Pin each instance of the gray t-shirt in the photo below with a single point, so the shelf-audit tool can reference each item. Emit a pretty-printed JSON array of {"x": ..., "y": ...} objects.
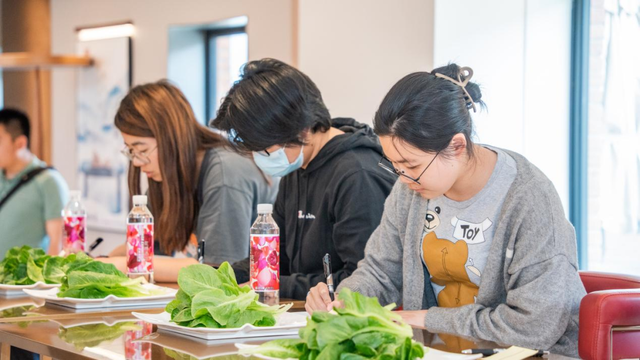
[
  {"x": 457, "y": 236},
  {"x": 230, "y": 188}
]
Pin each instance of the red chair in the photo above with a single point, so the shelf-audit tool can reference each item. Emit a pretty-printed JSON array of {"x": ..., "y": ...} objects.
[{"x": 609, "y": 316}]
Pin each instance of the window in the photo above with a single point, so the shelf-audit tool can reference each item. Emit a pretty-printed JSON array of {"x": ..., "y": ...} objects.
[
  {"x": 204, "y": 60},
  {"x": 613, "y": 137},
  {"x": 226, "y": 51}
]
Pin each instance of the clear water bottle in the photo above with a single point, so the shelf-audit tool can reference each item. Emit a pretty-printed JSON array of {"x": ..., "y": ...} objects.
[
  {"x": 75, "y": 224},
  {"x": 140, "y": 240},
  {"x": 265, "y": 256}
]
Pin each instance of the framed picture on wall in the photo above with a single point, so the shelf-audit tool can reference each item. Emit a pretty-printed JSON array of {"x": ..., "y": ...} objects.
[{"x": 102, "y": 169}]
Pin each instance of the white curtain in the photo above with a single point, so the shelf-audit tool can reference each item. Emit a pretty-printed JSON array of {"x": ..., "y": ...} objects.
[{"x": 619, "y": 177}]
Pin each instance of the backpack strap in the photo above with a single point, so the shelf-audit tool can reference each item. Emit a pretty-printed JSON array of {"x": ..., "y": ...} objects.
[{"x": 25, "y": 179}]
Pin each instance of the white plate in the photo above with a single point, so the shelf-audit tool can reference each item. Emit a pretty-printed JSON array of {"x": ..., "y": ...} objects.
[
  {"x": 16, "y": 290},
  {"x": 429, "y": 354},
  {"x": 110, "y": 301},
  {"x": 286, "y": 324}
]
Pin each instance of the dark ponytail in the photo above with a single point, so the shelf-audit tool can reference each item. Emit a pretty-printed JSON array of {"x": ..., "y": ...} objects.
[{"x": 426, "y": 111}]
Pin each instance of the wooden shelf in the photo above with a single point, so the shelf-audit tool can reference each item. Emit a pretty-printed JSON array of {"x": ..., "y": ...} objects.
[{"x": 28, "y": 61}]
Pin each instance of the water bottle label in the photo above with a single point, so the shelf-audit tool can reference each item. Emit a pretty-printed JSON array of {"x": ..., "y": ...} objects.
[
  {"x": 265, "y": 262},
  {"x": 74, "y": 230},
  {"x": 138, "y": 350},
  {"x": 140, "y": 248}
]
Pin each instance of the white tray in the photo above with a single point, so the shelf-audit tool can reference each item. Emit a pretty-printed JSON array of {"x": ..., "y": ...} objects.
[
  {"x": 17, "y": 290},
  {"x": 111, "y": 301},
  {"x": 286, "y": 324},
  {"x": 429, "y": 354}
]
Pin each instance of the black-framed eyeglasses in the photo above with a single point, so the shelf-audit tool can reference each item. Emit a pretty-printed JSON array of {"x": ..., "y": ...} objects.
[{"x": 386, "y": 164}]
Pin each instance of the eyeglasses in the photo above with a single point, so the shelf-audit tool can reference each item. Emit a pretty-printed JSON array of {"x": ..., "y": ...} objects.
[
  {"x": 142, "y": 156},
  {"x": 233, "y": 137},
  {"x": 237, "y": 141},
  {"x": 264, "y": 153},
  {"x": 386, "y": 164}
]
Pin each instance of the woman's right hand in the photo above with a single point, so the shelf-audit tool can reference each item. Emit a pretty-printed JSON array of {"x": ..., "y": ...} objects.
[{"x": 318, "y": 299}]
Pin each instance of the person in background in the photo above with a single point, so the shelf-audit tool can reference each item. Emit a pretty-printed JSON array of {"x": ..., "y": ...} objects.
[
  {"x": 332, "y": 192},
  {"x": 474, "y": 240},
  {"x": 198, "y": 190},
  {"x": 32, "y": 195}
]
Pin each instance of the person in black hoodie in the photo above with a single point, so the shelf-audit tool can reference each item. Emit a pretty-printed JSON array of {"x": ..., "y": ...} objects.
[{"x": 332, "y": 192}]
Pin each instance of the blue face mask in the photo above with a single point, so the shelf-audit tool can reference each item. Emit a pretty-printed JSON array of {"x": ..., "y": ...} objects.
[{"x": 277, "y": 164}]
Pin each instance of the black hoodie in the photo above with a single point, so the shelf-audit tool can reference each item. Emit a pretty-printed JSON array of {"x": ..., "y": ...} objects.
[{"x": 332, "y": 207}]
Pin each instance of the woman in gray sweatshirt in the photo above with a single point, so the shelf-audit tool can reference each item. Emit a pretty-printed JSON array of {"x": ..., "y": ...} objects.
[{"x": 473, "y": 240}]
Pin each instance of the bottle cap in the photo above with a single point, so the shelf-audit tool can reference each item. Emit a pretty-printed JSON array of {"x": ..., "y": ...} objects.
[
  {"x": 139, "y": 199},
  {"x": 265, "y": 208},
  {"x": 75, "y": 194}
]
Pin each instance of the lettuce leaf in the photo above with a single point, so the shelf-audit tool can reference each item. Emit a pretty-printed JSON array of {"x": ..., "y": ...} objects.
[
  {"x": 96, "y": 280},
  {"x": 80, "y": 275},
  {"x": 211, "y": 298},
  {"x": 22, "y": 266},
  {"x": 362, "y": 329}
]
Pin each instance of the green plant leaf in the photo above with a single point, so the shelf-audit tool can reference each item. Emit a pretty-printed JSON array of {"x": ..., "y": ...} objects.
[
  {"x": 196, "y": 278},
  {"x": 363, "y": 329},
  {"x": 212, "y": 298}
]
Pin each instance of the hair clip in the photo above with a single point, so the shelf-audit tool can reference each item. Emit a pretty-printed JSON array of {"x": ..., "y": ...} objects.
[{"x": 462, "y": 84}]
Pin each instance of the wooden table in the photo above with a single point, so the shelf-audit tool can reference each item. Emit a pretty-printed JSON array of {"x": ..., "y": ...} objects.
[{"x": 45, "y": 330}]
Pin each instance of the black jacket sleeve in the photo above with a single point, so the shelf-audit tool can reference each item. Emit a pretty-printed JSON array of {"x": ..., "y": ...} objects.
[{"x": 357, "y": 210}]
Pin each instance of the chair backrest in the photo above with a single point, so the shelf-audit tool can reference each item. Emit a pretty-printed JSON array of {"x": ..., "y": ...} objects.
[{"x": 595, "y": 281}]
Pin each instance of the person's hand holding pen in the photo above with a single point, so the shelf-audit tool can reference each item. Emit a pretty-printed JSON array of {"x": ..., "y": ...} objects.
[{"x": 319, "y": 299}]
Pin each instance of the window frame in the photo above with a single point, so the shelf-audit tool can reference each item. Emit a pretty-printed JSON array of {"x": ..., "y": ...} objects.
[
  {"x": 578, "y": 125},
  {"x": 210, "y": 65}
]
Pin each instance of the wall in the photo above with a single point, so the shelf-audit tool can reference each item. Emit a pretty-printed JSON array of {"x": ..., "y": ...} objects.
[
  {"x": 519, "y": 49},
  {"x": 269, "y": 29},
  {"x": 520, "y": 53},
  {"x": 356, "y": 50}
]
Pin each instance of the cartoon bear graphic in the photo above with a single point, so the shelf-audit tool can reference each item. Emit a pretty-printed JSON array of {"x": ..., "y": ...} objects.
[
  {"x": 446, "y": 262},
  {"x": 432, "y": 220}
]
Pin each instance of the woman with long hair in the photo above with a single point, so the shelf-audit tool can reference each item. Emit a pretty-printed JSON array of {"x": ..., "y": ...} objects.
[
  {"x": 197, "y": 189},
  {"x": 473, "y": 239}
]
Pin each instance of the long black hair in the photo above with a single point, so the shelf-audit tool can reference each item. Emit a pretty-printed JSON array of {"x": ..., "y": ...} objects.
[
  {"x": 427, "y": 111},
  {"x": 272, "y": 104}
]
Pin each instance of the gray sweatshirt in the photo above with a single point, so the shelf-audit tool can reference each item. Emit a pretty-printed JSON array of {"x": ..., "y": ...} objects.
[
  {"x": 530, "y": 290},
  {"x": 230, "y": 188}
]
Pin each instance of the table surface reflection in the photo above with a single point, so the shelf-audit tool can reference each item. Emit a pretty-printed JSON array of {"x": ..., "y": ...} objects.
[{"x": 62, "y": 333}]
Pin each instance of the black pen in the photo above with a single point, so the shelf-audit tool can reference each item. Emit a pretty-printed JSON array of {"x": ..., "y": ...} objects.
[
  {"x": 489, "y": 352},
  {"x": 201, "y": 252},
  {"x": 95, "y": 244},
  {"x": 326, "y": 263}
]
